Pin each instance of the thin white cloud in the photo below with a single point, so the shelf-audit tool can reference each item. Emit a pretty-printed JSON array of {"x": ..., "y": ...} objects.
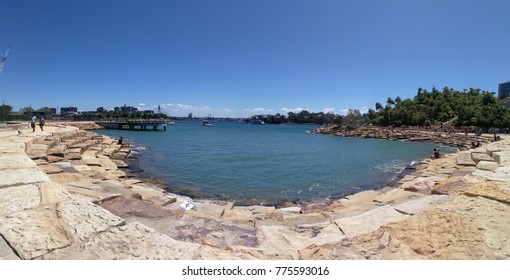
[
  {"x": 329, "y": 110},
  {"x": 255, "y": 110},
  {"x": 227, "y": 110},
  {"x": 141, "y": 104},
  {"x": 294, "y": 110},
  {"x": 185, "y": 107}
]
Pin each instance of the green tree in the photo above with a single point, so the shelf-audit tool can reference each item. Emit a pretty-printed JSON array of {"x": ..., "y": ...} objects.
[{"x": 353, "y": 119}]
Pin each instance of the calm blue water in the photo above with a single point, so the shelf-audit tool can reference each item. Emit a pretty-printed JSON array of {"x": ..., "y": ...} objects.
[{"x": 269, "y": 162}]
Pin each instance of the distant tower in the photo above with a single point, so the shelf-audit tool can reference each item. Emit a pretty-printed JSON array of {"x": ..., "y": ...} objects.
[
  {"x": 159, "y": 109},
  {"x": 504, "y": 90}
]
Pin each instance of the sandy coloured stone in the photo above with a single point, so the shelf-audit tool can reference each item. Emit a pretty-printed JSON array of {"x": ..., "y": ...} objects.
[
  {"x": 21, "y": 176},
  {"x": 8, "y": 147},
  {"x": 502, "y": 157},
  {"x": 415, "y": 206},
  {"x": 481, "y": 156},
  {"x": 51, "y": 168},
  {"x": 491, "y": 190},
  {"x": 133, "y": 241},
  {"x": 35, "y": 232},
  {"x": 16, "y": 161},
  {"x": 52, "y": 192},
  {"x": 6, "y": 252},
  {"x": 487, "y": 165},
  {"x": 285, "y": 242},
  {"x": 369, "y": 221},
  {"x": 18, "y": 198},
  {"x": 465, "y": 159}
]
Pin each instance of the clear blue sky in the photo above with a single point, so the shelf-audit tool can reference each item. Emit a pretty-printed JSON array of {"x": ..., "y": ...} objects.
[{"x": 238, "y": 58}]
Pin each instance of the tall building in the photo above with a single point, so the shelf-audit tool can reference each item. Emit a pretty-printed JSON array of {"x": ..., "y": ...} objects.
[
  {"x": 68, "y": 110},
  {"x": 504, "y": 90}
]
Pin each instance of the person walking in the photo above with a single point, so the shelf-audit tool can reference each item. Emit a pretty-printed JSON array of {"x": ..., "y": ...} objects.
[
  {"x": 41, "y": 123},
  {"x": 32, "y": 124}
]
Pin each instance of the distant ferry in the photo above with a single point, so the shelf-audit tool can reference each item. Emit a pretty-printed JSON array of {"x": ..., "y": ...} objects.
[
  {"x": 258, "y": 122},
  {"x": 206, "y": 123}
]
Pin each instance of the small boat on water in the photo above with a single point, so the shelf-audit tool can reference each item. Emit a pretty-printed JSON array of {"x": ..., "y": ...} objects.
[
  {"x": 206, "y": 123},
  {"x": 257, "y": 122}
]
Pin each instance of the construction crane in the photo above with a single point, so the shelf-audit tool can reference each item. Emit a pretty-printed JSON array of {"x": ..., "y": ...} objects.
[{"x": 4, "y": 58}]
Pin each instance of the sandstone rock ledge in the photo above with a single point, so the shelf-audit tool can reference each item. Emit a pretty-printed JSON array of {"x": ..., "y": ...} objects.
[{"x": 66, "y": 194}]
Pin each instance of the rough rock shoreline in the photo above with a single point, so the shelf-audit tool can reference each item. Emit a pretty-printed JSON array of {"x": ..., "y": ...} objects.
[
  {"x": 66, "y": 194},
  {"x": 446, "y": 137}
]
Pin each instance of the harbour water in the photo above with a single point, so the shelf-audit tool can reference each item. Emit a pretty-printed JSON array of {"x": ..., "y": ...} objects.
[{"x": 268, "y": 163}]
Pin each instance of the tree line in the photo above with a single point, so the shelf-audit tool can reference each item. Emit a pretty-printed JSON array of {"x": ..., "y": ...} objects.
[
  {"x": 472, "y": 107},
  {"x": 303, "y": 117}
]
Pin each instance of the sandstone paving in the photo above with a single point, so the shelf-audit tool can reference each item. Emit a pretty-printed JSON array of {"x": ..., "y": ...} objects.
[
  {"x": 369, "y": 221},
  {"x": 6, "y": 252},
  {"x": 481, "y": 156},
  {"x": 16, "y": 161},
  {"x": 18, "y": 198},
  {"x": 465, "y": 159},
  {"x": 134, "y": 221},
  {"x": 35, "y": 232},
  {"x": 487, "y": 165},
  {"x": 133, "y": 241},
  {"x": 21, "y": 176},
  {"x": 503, "y": 157},
  {"x": 492, "y": 232},
  {"x": 419, "y": 205},
  {"x": 52, "y": 192}
]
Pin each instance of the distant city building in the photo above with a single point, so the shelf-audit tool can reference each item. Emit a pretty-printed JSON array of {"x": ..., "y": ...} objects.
[
  {"x": 88, "y": 113},
  {"x": 504, "y": 90},
  {"x": 149, "y": 112},
  {"x": 68, "y": 110},
  {"x": 190, "y": 116},
  {"x": 128, "y": 109}
]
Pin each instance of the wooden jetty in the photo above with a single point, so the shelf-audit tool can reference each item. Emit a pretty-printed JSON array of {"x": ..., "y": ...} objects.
[{"x": 133, "y": 124}]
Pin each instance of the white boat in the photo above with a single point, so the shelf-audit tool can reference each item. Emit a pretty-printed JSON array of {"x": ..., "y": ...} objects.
[
  {"x": 206, "y": 123},
  {"x": 257, "y": 122}
]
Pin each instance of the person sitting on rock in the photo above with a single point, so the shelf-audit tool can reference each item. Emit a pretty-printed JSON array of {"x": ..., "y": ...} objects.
[
  {"x": 120, "y": 140},
  {"x": 437, "y": 154}
]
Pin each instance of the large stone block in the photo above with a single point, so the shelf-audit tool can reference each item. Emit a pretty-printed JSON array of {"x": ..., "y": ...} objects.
[
  {"x": 35, "y": 232},
  {"x": 16, "y": 161},
  {"x": 8, "y": 147},
  {"x": 87, "y": 219},
  {"x": 369, "y": 221},
  {"x": 481, "y": 156},
  {"x": 415, "y": 206},
  {"x": 18, "y": 198},
  {"x": 13, "y": 177},
  {"x": 487, "y": 165},
  {"x": 132, "y": 241},
  {"x": 502, "y": 157}
]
